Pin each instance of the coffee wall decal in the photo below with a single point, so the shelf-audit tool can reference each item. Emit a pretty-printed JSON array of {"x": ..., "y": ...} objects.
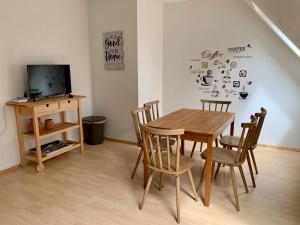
[{"x": 222, "y": 75}]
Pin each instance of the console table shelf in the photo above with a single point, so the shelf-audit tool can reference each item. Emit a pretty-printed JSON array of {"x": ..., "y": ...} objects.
[
  {"x": 32, "y": 157},
  {"x": 42, "y": 108},
  {"x": 58, "y": 129}
]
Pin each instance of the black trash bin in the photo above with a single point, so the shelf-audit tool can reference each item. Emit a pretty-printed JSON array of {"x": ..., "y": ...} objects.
[{"x": 93, "y": 129}]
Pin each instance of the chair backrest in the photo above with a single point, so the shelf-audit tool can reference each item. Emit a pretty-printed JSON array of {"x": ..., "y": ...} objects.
[
  {"x": 140, "y": 116},
  {"x": 246, "y": 139},
  {"x": 261, "y": 118},
  {"x": 154, "y": 109},
  {"x": 213, "y": 105},
  {"x": 151, "y": 138}
]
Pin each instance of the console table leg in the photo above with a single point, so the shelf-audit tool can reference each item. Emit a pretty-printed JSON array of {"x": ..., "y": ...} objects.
[
  {"x": 80, "y": 129},
  {"x": 40, "y": 166},
  {"x": 64, "y": 119},
  {"x": 20, "y": 137}
]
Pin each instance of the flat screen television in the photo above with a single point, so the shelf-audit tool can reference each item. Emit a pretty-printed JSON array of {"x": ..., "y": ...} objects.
[{"x": 48, "y": 80}]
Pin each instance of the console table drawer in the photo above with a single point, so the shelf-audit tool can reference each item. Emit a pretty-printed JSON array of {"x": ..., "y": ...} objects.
[
  {"x": 46, "y": 108},
  {"x": 68, "y": 104}
]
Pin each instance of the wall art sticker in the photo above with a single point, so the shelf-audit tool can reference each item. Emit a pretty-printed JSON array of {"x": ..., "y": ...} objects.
[
  {"x": 207, "y": 54},
  {"x": 221, "y": 74},
  {"x": 215, "y": 92},
  {"x": 207, "y": 79},
  {"x": 243, "y": 73},
  {"x": 233, "y": 64},
  {"x": 236, "y": 84},
  {"x": 227, "y": 79},
  {"x": 243, "y": 94},
  {"x": 204, "y": 65},
  {"x": 113, "y": 50}
]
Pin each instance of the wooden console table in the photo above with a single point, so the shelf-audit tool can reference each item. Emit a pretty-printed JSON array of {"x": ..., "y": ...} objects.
[{"x": 46, "y": 107}]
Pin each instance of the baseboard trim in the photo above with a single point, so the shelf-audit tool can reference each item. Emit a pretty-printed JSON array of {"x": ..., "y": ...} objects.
[
  {"x": 120, "y": 141},
  {"x": 279, "y": 147},
  {"x": 10, "y": 169}
]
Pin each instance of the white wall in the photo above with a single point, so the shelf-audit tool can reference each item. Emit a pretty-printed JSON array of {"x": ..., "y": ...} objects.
[
  {"x": 150, "y": 50},
  {"x": 193, "y": 26},
  {"x": 45, "y": 32},
  {"x": 115, "y": 92},
  {"x": 284, "y": 14}
]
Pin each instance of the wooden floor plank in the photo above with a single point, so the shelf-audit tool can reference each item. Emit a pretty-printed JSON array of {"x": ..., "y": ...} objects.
[{"x": 96, "y": 189}]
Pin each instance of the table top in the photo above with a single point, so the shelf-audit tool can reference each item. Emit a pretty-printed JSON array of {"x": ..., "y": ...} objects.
[
  {"x": 43, "y": 101},
  {"x": 194, "y": 121}
]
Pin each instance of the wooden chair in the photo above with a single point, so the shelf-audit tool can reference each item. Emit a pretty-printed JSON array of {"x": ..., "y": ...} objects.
[
  {"x": 142, "y": 116},
  {"x": 232, "y": 158},
  {"x": 166, "y": 162},
  {"x": 153, "y": 109},
  {"x": 212, "y": 105},
  {"x": 233, "y": 141}
]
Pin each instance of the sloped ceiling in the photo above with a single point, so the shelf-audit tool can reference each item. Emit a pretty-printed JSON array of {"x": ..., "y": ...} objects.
[{"x": 285, "y": 14}]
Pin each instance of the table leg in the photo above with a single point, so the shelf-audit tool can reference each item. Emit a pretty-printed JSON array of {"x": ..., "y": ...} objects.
[
  {"x": 146, "y": 171},
  {"x": 208, "y": 172},
  {"x": 182, "y": 147},
  {"x": 232, "y": 128}
]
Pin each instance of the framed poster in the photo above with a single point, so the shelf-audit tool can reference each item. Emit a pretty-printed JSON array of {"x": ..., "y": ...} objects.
[{"x": 113, "y": 50}]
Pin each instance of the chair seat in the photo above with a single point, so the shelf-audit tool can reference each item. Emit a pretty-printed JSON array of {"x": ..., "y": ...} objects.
[
  {"x": 185, "y": 162},
  {"x": 232, "y": 141},
  {"x": 163, "y": 143},
  {"x": 222, "y": 155}
]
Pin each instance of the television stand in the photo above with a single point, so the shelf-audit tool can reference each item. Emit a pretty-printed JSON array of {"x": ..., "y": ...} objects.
[{"x": 44, "y": 107}]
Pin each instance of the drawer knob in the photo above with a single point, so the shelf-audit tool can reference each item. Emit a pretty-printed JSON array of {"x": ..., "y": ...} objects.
[
  {"x": 69, "y": 101},
  {"x": 47, "y": 105}
]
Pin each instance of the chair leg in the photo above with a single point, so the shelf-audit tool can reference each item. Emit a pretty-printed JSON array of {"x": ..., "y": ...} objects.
[
  {"x": 178, "y": 198},
  {"x": 250, "y": 169},
  {"x": 217, "y": 171},
  {"x": 235, "y": 188},
  {"x": 216, "y": 142},
  {"x": 137, "y": 163},
  {"x": 193, "y": 149},
  {"x": 201, "y": 146},
  {"x": 161, "y": 182},
  {"x": 146, "y": 191},
  {"x": 254, "y": 161},
  {"x": 193, "y": 185},
  {"x": 201, "y": 179},
  {"x": 212, "y": 170},
  {"x": 243, "y": 178}
]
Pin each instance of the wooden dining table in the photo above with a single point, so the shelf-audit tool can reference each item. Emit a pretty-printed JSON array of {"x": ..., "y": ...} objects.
[{"x": 201, "y": 126}]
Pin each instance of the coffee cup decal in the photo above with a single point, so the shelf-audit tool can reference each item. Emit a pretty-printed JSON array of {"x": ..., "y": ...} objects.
[
  {"x": 215, "y": 92},
  {"x": 243, "y": 73},
  {"x": 243, "y": 94},
  {"x": 207, "y": 79}
]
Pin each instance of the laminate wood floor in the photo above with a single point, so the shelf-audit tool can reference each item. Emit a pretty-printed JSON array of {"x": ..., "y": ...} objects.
[{"x": 97, "y": 189}]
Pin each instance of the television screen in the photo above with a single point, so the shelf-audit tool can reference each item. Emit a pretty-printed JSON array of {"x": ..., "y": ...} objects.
[{"x": 48, "y": 80}]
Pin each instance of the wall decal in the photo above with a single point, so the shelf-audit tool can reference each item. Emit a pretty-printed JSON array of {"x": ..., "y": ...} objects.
[
  {"x": 207, "y": 79},
  {"x": 243, "y": 73},
  {"x": 113, "y": 50},
  {"x": 222, "y": 75},
  {"x": 236, "y": 84},
  {"x": 227, "y": 79},
  {"x": 233, "y": 65},
  {"x": 236, "y": 49},
  {"x": 242, "y": 56},
  {"x": 243, "y": 94},
  {"x": 204, "y": 65},
  {"x": 207, "y": 54}
]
